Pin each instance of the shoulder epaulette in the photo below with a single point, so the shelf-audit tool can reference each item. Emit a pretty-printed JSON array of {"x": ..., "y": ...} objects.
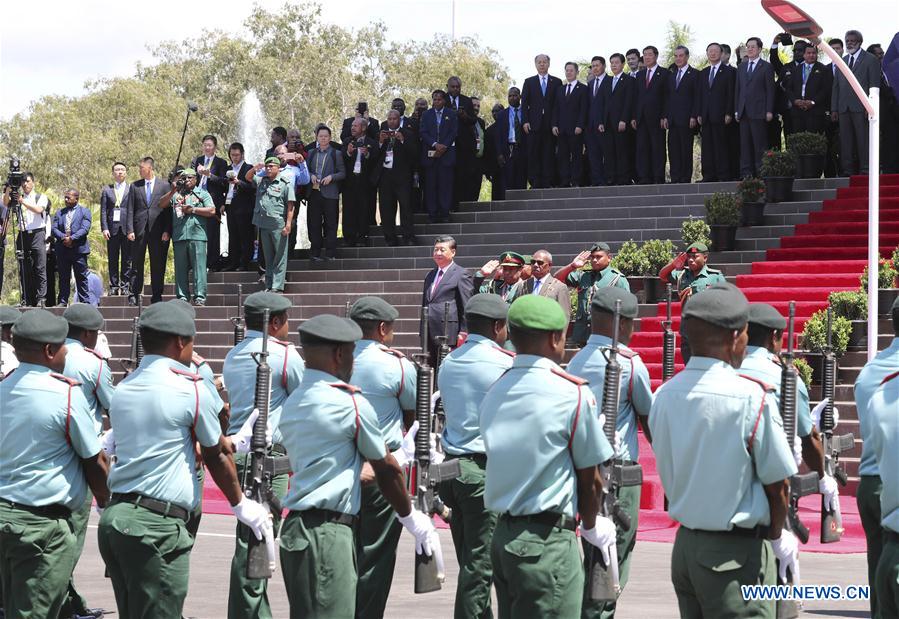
[
  {"x": 95, "y": 353},
  {"x": 713, "y": 271},
  {"x": 282, "y": 342},
  {"x": 71, "y": 381},
  {"x": 187, "y": 374},
  {"x": 198, "y": 360},
  {"x": 346, "y": 387},
  {"x": 768, "y": 388},
  {"x": 628, "y": 354},
  {"x": 775, "y": 360},
  {"x": 504, "y": 351},
  {"x": 889, "y": 377},
  {"x": 393, "y": 351},
  {"x": 577, "y": 380}
]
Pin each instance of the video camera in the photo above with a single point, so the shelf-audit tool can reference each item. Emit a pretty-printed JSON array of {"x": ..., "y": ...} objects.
[{"x": 16, "y": 177}]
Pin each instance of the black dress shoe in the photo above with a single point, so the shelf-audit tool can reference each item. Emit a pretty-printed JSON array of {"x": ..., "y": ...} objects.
[
  {"x": 411, "y": 240},
  {"x": 392, "y": 241}
]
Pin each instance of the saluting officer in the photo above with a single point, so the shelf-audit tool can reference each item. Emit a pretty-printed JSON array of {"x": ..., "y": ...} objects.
[
  {"x": 387, "y": 380},
  {"x": 8, "y": 362},
  {"x": 329, "y": 428},
  {"x": 248, "y": 598},
  {"x": 464, "y": 379},
  {"x": 507, "y": 284},
  {"x": 44, "y": 480},
  {"x": 158, "y": 413},
  {"x": 543, "y": 440},
  {"x": 725, "y": 464},
  {"x": 634, "y": 403}
]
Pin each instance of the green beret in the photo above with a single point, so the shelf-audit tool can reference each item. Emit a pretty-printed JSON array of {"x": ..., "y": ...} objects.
[
  {"x": 722, "y": 305},
  {"x": 169, "y": 318},
  {"x": 600, "y": 246},
  {"x": 272, "y": 160},
  {"x": 700, "y": 247},
  {"x": 39, "y": 325},
  {"x": 532, "y": 311},
  {"x": 84, "y": 316},
  {"x": 373, "y": 308},
  {"x": 184, "y": 305},
  {"x": 604, "y": 301},
  {"x": 764, "y": 315},
  {"x": 511, "y": 259},
  {"x": 329, "y": 328},
  {"x": 258, "y": 301},
  {"x": 188, "y": 172},
  {"x": 487, "y": 305},
  {"x": 8, "y": 315}
]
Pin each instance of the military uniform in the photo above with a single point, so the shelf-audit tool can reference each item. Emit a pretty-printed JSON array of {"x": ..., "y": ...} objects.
[
  {"x": 464, "y": 379},
  {"x": 270, "y": 217},
  {"x": 189, "y": 242},
  {"x": 764, "y": 365},
  {"x": 586, "y": 283},
  {"x": 509, "y": 292}
]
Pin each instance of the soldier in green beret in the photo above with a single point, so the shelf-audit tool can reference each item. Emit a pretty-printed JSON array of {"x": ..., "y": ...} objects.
[
  {"x": 8, "y": 361},
  {"x": 275, "y": 203},
  {"x": 501, "y": 276},
  {"x": 600, "y": 275},
  {"x": 43, "y": 481}
]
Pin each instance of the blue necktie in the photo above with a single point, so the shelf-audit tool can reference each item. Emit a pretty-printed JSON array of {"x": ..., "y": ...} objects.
[
  {"x": 149, "y": 192},
  {"x": 537, "y": 286},
  {"x": 543, "y": 85}
]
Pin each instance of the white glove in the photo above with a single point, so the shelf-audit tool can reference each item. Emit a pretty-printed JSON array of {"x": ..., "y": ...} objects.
[
  {"x": 244, "y": 436},
  {"x": 406, "y": 452},
  {"x": 107, "y": 442},
  {"x": 255, "y": 516},
  {"x": 98, "y": 509},
  {"x": 434, "y": 397},
  {"x": 421, "y": 527},
  {"x": 602, "y": 535},
  {"x": 797, "y": 451},
  {"x": 786, "y": 549},
  {"x": 816, "y": 414},
  {"x": 827, "y": 486}
]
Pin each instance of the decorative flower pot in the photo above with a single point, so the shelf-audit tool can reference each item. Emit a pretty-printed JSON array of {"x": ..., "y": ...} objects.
[
  {"x": 724, "y": 238},
  {"x": 815, "y": 361},
  {"x": 779, "y": 188},
  {"x": 858, "y": 337},
  {"x": 653, "y": 289},
  {"x": 809, "y": 166},
  {"x": 885, "y": 299},
  {"x": 636, "y": 284},
  {"x": 753, "y": 214}
]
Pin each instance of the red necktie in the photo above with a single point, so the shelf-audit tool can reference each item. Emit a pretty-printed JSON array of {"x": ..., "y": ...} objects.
[
  {"x": 648, "y": 77},
  {"x": 437, "y": 280}
]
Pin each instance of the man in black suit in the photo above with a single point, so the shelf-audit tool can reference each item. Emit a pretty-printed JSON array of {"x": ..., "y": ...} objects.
[
  {"x": 240, "y": 199},
  {"x": 596, "y": 87},
  {"x": 278, "y": 138},
  {"x": 466, "y": 144},
  {"x": 647, "y": 119},
  {"x": 418, "y": 178},
  {"x": 406, "y": 122},
  {"x": 149, "y": 227},
  {"x": 510, "y": 148},
  {"x": 113, "y": 215},
  {"x": 361, "y": 111},
  {"x": 360, "y": 154},
  {"x": 681, "y": 111},
  {"x": 447, "y": 288},
  {"x": 832, "y": 127},
  {"x": 716, "y": 93},
  {"x": 568, "y": 121},
  {"x": 846, "y": 107},
  {"x": 211, "y": 176},
  {"x": 397, "y": 158},
  {"x": 618, "y": 99},
  {"x": 784, "y": 77},
  {"x": 754, "y": 98},
  {"x": 809, "y": 92},
  {"x": 538, "y": 95},
  {"x": 481, "y": 167}
]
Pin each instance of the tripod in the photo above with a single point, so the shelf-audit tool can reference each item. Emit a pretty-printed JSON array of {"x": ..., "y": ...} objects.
[{"x": 15, "y": 209}]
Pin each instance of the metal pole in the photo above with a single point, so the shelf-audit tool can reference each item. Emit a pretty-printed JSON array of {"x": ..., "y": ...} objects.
[{"x": 873, "y": 218}]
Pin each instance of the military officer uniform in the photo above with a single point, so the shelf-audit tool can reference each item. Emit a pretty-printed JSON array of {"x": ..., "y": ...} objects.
[
  {"x": 270, "y": 218},
  {"x": 8, "y": 361},
  {"x": 539, "y": 426},
  {"x": 464, "y": 379},
  {"x": 387, "y": 381},
  {"x": 509, "y": 292},
  {"x": 587, "y": 283},
  {"x": 42, "y": 482},
  {"x": 718, "y": 441},
  {"x": 189, "y": 242},
  {"x": 635, "y": 398}
]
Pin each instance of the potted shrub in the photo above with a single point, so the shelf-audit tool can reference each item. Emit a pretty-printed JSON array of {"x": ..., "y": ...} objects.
[
  {"x": 810, "y": 149},
  {"x": 695, "y": 230},
  {"x": 853, "y": 306},
  {"x": 888, "y": 287},
  {"x": 814, "y": 339},
  {"x": 657, "y": 253},
  {"x": 804, "y": 370},
  {"x": 723, "y": 216},
  {"x": 629, "y": 259},
  {"x": 778, "y": 170},
  {"x": 752, "y": 194}
]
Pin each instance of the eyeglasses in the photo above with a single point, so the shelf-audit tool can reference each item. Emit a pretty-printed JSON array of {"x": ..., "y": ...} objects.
[{"x": 538, "y": 262}]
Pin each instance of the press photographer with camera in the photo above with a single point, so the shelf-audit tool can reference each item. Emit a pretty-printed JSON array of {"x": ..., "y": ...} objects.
[
  {"x": 359, "y": 159},
  {"x": 396, "y": 162},
  {"x": 32, "y": 238}
]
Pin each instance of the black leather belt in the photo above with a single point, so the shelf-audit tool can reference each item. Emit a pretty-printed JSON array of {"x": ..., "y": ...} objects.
[
  {"x": 154, "y": 505},
  {"x": 757, "y": 532},
  {"x": 316, "y": 516},
  {"x": 47, "y": 511},
  {"x": 474, "y": 457},
  {"x": 552, "y": 519},
  {"x": 890, "y": 536}
]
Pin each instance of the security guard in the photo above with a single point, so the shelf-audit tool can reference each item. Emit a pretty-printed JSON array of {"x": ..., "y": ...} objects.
[
  {"x": 143, "y": 536},
  {"x": 725, "y": 464},
  {"x": 43, "y": 480},
  {"x": 8, "y": 362},
  {"x": 870, "y": 485},
  {"x": 387, "y": 380},
  {"x": 600, "y": 275},
  {"x": 272, "y": 216},
  {"x": 192, "y": 206},
  {"x": 248, "y": 598},
  {"x": 464, "y": 379},
  {"x": 507, "y": 285},
  {"x": 329, "y": 428},
  {"x": 543, "y": 441},
  {"x": 634, "y": 403}
]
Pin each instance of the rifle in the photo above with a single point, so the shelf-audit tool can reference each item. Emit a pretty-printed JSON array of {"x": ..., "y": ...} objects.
[
  {"x": 616, "y": 473},
  {"x": 346, "y": 313},
  {"x": 240, "y": 330},
  {"x": 668, "y": 341},
  {"x": 831, "y": 520},
  {"x": 443, "y": 350},
  {"x": 137, "y": 345}
]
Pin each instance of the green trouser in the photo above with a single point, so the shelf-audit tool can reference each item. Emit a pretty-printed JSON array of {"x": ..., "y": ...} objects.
[
  {"x": 274, "y": 247},
  {"x": 75, "y": 604},
  {"x": 376, "y": 542},
  {"x": 193, "y": 525},
  {"x": 580, "y": 332},
  {"x": 537, "y": 570},
  {"x": 147, "y": 557},
  {"x": 708, "y": 568},
  {"x": 249, "y": 598},
  {"x": 886, "y": 581},
  {"x": 37, "y": 556},
  {"x": 318, "y": 561},
  {"x": 190, "y": 255},
  {"x": 867, "y": 497},
  {"x": 629, "y": 499},
  {"x": 472, "y": 527}
]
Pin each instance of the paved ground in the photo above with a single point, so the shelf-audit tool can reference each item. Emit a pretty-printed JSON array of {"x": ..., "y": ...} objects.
[{"x": 649, "y": 593}]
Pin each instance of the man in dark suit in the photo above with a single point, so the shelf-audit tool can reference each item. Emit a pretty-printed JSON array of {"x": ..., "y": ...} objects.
[
  {"x": 832, "y": 127},
  {"x": 568, "y": 121},
  {"x": 754, "y": 99},
  {"x": 406, "y": 122},
  {"x": 465, "y": 174},
  {"x": 510, "y": 148},
  {"x": 617, "y": 101},
  {"x": 439, "y": 128},
  {"x": 211, "y": 176},
  {"x": 538, "y": 95},
  {"x": 113, "y": 208},
  {"x": 716, "y": 93},
  {"x": 681, "y": 111},
  {"x": 240, "y": 199},
  {"x": 784, "y": 77},
  {"x": 447, "y": 288},
  {"x": 360, "y": 154},
  {"x": 361, "y": 112},
  {"x": 648, "y": 112},
  {"x": 809, "y": 92},
  {"x": 396, "y": 160},
  {"x": 596, "y": 87},
  {"x": 848, "y": 110},
  {"x": 278, "y": 138},
  {"x": 149, "y": 227},
  {"x": 71, "y": 225}
]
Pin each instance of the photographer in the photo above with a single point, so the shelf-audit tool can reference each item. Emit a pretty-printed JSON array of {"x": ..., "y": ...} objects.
[
  {"x": 359, "y": 154},
  {"x": 239, "y": 203},
  {"x": 35, "y": 216},
  {"x": 396, "y": 163}
]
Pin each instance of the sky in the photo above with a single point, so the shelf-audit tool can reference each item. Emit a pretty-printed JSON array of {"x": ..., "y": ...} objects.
[{"x": 62, "y": 44}]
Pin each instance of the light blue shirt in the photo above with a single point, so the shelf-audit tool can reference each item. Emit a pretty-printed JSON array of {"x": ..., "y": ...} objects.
[
  {"x": 328, "y": 429},
  {"x": 702, "y": 422},
  {"x": 155, "y": 413},
  {"x": 199, "y": 366},
  {"x": 539, "y": 427},
  {"x": 762, "y": 364},
  {"x": 299, "y": 174},
  {"x": 44, "y": 436},
  {"x": 884, "y": 363},
  {"x": 514, "y": 113},
  {"x": 92, "y": 371},
  {"x": 465, "y": 376},
  {"x": 635, "y": 392},
  {"x": 388, "y": 382},
  {"x": 239, "y": 374},
  {"x": 883, "y": 418}
]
